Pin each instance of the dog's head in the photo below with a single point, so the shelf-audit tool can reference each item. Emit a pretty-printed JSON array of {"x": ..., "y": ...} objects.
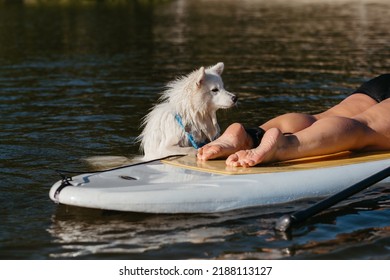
[
  {"x": 202, "y": 92},
  {"x": 209, "y": 90}
]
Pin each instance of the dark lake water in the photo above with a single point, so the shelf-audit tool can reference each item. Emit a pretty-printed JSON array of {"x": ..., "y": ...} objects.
[{"x": 75, "y": 80}]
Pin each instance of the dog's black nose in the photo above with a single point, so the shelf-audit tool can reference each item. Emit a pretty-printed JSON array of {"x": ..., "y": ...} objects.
[{"x": 234, "y": 98}]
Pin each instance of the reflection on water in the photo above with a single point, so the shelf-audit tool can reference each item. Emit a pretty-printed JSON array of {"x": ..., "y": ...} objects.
[
  {"x": 85, "y": 233},
  {"x": 77, "y": 78}
]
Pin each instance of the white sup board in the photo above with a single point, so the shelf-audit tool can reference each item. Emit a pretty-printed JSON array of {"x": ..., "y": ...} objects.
[{"x": 184, "y": 185}]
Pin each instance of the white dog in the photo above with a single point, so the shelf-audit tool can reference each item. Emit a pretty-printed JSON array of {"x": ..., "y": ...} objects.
[{"x": 186, "y": 118}]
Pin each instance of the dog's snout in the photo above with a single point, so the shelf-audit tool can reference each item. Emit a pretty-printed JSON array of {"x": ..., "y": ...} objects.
[{"x": 234, "y": 98}]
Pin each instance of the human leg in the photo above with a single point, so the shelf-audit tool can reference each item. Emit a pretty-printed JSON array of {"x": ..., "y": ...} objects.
[
  {"x": 290, "y": 122},
  {"x": 353, "y": 105},
  {"x": 326, "y": 136},
  {"x": 235, "y": 137},
  {"x": 349, "y": 107}
]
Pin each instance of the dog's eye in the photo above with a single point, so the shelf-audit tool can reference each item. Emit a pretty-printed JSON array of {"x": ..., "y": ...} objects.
[{"x": 215, "y": 90}]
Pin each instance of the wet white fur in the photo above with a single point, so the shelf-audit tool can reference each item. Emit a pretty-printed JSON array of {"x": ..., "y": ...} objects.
[{"x": 196, "y": 98}]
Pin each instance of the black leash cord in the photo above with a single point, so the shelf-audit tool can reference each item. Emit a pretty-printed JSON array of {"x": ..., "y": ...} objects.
[
  {"x": 62, "y": 172},
  {"x": 65, "y": 180}
]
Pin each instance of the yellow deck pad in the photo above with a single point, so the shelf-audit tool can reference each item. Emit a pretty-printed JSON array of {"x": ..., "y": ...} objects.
[{"x": 219, "y": 166}]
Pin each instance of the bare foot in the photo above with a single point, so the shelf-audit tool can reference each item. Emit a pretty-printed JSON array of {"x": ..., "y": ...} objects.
[
  {"x": 232, "y": 140},
  {"x": 265, "y": 152}
]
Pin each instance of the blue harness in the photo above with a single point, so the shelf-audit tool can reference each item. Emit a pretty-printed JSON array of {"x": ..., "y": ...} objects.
[{"x": 189, "y": 135}]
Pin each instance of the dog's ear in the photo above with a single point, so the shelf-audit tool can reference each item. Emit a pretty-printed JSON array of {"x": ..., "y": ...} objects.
[
  {"x": 200, "y": 76},
  {"x": 218, "y": 68}
]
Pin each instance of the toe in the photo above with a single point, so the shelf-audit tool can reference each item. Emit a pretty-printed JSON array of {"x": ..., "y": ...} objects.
[{"x": 232, "y": 160}]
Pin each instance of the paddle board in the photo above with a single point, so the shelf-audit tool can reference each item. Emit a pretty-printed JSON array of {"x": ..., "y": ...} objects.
[{"x": 185, "y": 185}]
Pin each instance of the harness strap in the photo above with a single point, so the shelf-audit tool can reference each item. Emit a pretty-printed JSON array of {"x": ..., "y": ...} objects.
[{"x": 188, "y": 135}]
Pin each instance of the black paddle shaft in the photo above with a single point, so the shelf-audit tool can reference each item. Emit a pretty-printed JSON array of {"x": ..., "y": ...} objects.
[{"x": 287, "y": 221}]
